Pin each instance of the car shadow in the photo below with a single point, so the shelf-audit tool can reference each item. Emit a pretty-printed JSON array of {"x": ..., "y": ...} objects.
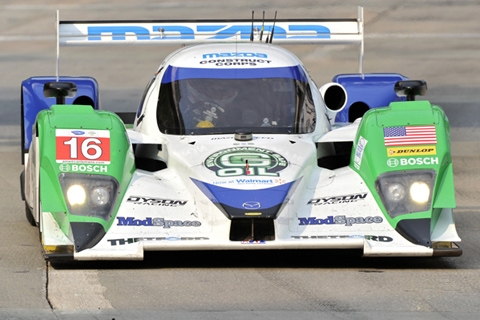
[{"x": 268, "y": 259}]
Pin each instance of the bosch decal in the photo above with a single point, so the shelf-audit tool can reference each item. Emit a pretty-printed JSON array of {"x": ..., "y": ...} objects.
[
  {"x": 338, "y": 199},
  {"x": 249, "y": 161},
  {"x": 394, "y": 162},
  {"x": 347, "y": 221},
  {"x": 156, "y": 222},
  {"x": 65, "y": 167},
  {"x": 156, "y": 202}
]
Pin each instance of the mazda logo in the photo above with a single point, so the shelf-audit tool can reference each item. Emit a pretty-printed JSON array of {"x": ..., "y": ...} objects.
[{"x": 252, "y": 205}]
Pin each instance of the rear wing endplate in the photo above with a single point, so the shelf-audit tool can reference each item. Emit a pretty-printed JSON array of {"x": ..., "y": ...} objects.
[{"x": 185, "y": 32}]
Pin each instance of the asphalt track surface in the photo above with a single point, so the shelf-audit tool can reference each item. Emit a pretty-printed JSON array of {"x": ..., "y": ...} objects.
[{"x": 438, "y": 41}]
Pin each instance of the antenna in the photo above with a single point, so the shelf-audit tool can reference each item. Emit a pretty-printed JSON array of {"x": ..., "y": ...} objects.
[
  {"x": 263, "y": 23},
  {"x": 57, "y": 27},
  {"x": 251, "y": 33},
  {"x": 273, "y": 28}
]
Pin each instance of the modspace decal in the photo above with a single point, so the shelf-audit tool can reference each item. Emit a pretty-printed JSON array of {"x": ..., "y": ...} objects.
[{"x": 249, "y": 161}]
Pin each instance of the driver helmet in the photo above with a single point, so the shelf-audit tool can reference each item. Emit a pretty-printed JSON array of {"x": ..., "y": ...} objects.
[{"x": 211, "y": 90}]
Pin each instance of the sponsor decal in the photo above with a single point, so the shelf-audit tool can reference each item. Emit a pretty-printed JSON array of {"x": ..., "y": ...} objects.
[
  {"x": 235, "y": 62},
  {"x": 320, "y": 237},
  {"x": 394, "y": 162},
  {"x": 362, "y": 142},
  {"x": 252, "y": 205},
  {"x": 372, "y": 238},
  {"x": 411, "y": 151},
  {"x": 121, "y": 242},
  {"x": 235, "y": 54},
  {"x": 338, "y": 199},
  {"x": 252, "y": 181},
  {"x": 156, "y": 222},
  {"x": 409, "y": 135},
  {"x": 254, "y": 242},
  {"x": 65, "y": 167},
  {"x": 347, "y": 221},
  {"x": 251, "y": 161},
  {"x": 73, "y": 146},
  {"x": 231, "y": 138},
  {"x": 379, "y": 238},
  {"x": 156, "y": 202},
  {"x": 204, "y": 31}
]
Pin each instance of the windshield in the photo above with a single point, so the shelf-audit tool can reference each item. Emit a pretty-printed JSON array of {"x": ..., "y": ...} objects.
[{"x": 213, "y": 101}]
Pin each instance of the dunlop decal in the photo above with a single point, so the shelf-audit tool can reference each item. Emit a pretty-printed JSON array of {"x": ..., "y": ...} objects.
[{"x": 411, "y": 151}]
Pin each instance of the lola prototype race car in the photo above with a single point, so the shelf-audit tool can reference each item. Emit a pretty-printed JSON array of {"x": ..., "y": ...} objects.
[{"x": 234, "y": 147}]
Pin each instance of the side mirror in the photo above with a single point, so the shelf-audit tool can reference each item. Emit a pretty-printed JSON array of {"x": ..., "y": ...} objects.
[
  {"x": 410, "y": 89},
  {"x": 60, "y": 90}
]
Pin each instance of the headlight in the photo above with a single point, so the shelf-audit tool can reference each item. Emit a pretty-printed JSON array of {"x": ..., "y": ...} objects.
[
  {"x": 76, "y": 194},
  {"x": 395, "y": 192},
  {"x": 419, "y": 192},
  {"x": 100, "y": 196},
  {"x": 405, "y": 192},
  {"x": 89, "y": 195}
]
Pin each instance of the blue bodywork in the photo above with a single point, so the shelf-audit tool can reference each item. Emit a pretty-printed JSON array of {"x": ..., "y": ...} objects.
[
  {"x": 367, "y": 91},
  {"x": 33, "y": 100}
]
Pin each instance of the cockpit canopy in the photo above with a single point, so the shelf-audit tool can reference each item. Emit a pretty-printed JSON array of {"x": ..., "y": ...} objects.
[{"x": 196, "y": 101}]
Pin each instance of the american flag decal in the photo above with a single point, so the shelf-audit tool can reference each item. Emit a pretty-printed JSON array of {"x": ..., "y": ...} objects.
[{"x": 409, "y": 136}]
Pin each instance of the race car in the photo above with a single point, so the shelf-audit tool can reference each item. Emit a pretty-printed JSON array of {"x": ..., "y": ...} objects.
[{"x": 233, "y": 147}]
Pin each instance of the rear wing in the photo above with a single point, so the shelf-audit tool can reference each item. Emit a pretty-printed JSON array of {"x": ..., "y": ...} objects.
[{"x": 185, "y": 32}]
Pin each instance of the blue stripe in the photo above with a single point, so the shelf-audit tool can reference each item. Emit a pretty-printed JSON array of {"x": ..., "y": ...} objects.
[
  {"x": 235, "y": 198},
  {"x": 179, "y": 73}
]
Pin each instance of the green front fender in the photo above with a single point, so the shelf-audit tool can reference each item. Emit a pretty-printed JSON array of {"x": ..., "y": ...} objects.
[
  {"x": 78, "y": 140},
  {"x": 384, "y": 144}
]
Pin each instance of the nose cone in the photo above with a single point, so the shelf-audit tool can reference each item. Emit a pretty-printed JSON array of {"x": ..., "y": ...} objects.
[{"x": 240, "y": 203}]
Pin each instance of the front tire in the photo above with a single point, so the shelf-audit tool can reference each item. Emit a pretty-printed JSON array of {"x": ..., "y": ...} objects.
[{"x": 29, "y": 215}]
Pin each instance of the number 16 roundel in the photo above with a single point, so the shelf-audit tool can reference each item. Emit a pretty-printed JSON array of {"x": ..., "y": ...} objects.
[{"x": 83, "y": 146}]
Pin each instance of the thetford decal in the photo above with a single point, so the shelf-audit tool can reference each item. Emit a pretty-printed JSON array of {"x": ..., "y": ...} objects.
[
  {"x": 122, "y": 242},
  {"x": 379, "y": 238},
  {"x": 248, "y": 161},
  {"x": 366, "y": 237}
]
